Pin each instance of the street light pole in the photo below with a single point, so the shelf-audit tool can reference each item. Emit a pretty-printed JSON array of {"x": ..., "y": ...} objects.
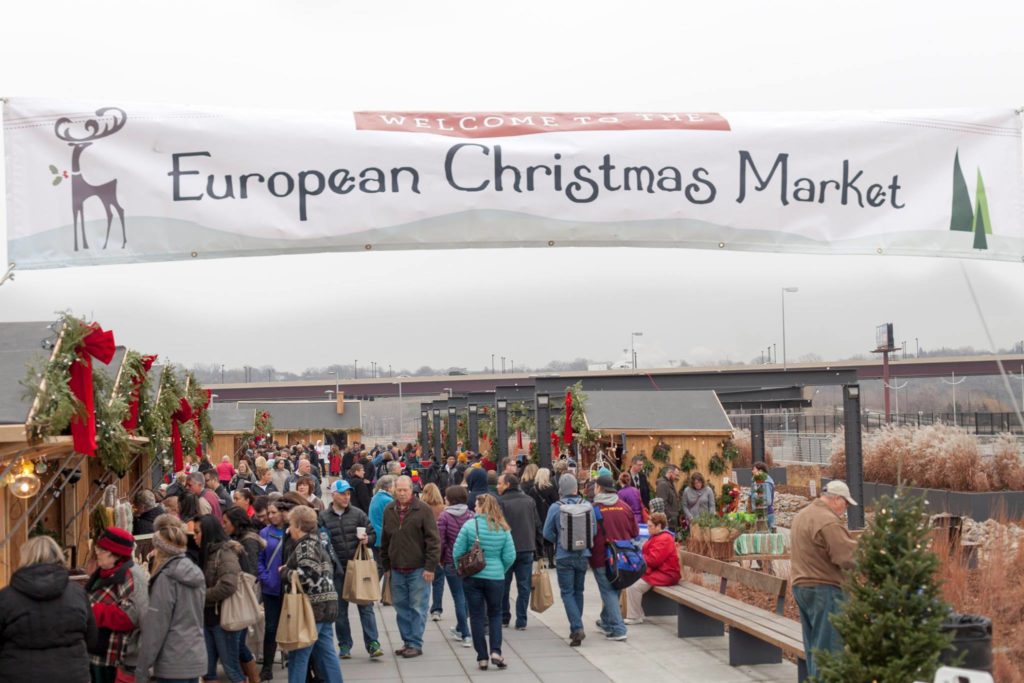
[
  {"x": 335, "y": 373},
  {"x": 784, "y": 290},
  {"x": 632, "y": 349},
  {"x": 954, "y": 382},
  {"x": 222, "y": 373},
  {"x": 492, "y": 363},
  {"x": 355, "y": 369},
  {"x": 897, "y": 388}
]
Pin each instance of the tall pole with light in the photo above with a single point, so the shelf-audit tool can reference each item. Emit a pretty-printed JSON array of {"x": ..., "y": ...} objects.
[
  {"x": 953, "y": 382},
  {"x": 437, "y": 435},
  {"x": 474, "y": 429},
  {"x": 543, "y": 402},
  {"x": 785, "y": 290},
  {"x": 401, "y": 407},
  {"x": 424, "y": 431},
  {"x": 336, "y": 387},
  {"x": 453, "y": 425},
  {"x": 501, "y": 428},
  {"x": 632, "y": 347}
]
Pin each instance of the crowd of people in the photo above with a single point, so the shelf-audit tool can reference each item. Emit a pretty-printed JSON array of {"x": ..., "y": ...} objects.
[{"x": 281, "y": 516}]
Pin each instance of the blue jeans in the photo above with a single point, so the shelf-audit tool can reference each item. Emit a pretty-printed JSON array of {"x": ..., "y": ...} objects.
[
  {"x": 611, "y": 615},
  {"x": 245, "y": 655},
  {"x": 816, "y": 603},
  {"x": 223, "y": 645},
  {"x": 455, "y": 587},
  {"x": 572, "y": 574},
  {"x": 272, "y": 615},
  {"x": 437, "y": 589},
  {"x": 343, "y": 630},
  {"x": 484, "y": 599},
  {"x": 322, "y": 653},
  {"x": 522, "y": 571},
  {"x": 411, "y": 595}
]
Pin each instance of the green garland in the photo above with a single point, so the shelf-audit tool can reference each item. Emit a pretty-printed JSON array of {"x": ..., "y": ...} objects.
[
  {"x": 197, "y": 398},
  {"x": 520, "y": 419},
  {"x": 46, "y": 380},
  {"x": 688, "y": 463},
  {"x": 661, "y": 451},
  {"x": 729, "y": 450},
  {"x": 579, "y": 421},
  {"x": 169, "y": 400},
  {"x": 113, "y": 447}
]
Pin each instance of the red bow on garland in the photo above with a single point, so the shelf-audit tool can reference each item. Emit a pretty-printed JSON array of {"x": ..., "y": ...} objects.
[
  {"x": 98, "y": 344},
  {"x": 554, "y": 443},
  {"x": 199, "y": 410},
  {"x": 132, "y": 421},
  {"x": 182, "y": 414},
  {"x": 519, "y": 438},
  {"x": 568, "y": 418}
]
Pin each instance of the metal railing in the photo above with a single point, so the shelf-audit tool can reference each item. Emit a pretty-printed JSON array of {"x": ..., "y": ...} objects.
[{"x": 977, "y": 423}]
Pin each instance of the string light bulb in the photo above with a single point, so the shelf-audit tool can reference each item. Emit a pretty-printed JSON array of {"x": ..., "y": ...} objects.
[{"x": 25, "y": 483}]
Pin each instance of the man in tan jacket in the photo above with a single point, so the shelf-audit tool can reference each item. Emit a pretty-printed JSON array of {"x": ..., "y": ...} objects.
[{"x": 822, "y": 549}]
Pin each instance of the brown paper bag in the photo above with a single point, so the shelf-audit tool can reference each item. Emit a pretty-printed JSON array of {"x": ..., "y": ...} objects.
[
  {"x": 622, "y": 604},
  {"x": 362, "y": 584},
  {"x": 541, "y": 595},
  {"x": 385, "y": 591},
  {"x": 297, "y": 627}
]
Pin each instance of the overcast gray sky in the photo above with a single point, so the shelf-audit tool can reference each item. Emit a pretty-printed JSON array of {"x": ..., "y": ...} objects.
[{"x": 448, "y": 308}]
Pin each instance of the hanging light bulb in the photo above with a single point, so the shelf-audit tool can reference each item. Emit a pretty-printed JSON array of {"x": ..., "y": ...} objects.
[{"x": 26, "y": 483}]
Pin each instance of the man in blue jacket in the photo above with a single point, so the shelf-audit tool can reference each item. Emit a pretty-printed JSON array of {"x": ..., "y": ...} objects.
[{"x": 570, "y": 565}]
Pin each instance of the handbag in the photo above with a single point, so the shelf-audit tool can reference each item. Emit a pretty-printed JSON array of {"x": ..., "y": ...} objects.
[
  {"x": 473, "y": 562},
  {"x": 242, "y": 608},
  {"x": 297, "y": 627},
  {"x": 361, "y": 585},
  {"x": 541, "y": 595}
]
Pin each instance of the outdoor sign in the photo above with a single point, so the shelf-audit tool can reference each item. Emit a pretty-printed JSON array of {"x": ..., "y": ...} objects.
[{"x": 112, "y": 182}]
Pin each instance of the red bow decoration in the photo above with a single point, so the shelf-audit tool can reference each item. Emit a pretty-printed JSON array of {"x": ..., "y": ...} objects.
[
  {"x": 100, "y": 345},
  {"x": 197, "y": 413},
  {"x": 554, "y": 442},
  {"x": 132, "y": 421},
  {"x": 568, "y": 418},
  {"x": 182, "y": 414},
  {"x": 519, "y": 438}
]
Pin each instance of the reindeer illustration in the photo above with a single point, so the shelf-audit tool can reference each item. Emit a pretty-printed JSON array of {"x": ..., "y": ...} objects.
[{"x": 81, "y": 189}]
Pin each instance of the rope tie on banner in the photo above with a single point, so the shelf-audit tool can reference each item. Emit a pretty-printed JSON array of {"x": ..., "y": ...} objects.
[
  {"x": 9, "y": 275},
  {"x": 992, "y": 346}
]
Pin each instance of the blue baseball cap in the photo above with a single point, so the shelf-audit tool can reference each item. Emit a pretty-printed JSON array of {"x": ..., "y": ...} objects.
[{"x": 341, "y": 486}]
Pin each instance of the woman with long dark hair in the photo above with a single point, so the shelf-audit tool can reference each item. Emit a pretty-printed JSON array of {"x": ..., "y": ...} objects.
[
  {"x": 241, "y": 529},
  {"x": 219, "y": 560},
  {"x": 269, "y": 562}
]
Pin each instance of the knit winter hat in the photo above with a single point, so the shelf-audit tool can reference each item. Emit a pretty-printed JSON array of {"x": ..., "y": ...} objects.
[
  {"x": 567, "y": 486},
  {"x": 117, "y": 541}
]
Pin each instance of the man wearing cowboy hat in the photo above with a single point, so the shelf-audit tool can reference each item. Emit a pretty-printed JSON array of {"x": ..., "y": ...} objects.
[{"x": 822, "y": 549}]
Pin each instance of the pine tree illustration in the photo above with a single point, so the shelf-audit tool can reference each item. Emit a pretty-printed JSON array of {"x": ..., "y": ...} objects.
[
  {"x": 962, "y": 217},
  {"x": 982, "y": 223}
]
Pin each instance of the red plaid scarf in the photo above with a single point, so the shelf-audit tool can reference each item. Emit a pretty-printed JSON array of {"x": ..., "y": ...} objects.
[{"x": 110, "y": 587}]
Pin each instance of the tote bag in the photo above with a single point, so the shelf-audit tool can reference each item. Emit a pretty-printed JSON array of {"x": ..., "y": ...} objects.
[
  {"x": 362, "y": 583},
  {"x": 541, "y": 595},
  {"x": 297, "y": 627},
  {"x": 242, "y": 608}
]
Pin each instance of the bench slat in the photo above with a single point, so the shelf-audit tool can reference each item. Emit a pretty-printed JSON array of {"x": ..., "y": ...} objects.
[
  {"x": 776, "y": 630},
  {"x": 772, "y": 585}
]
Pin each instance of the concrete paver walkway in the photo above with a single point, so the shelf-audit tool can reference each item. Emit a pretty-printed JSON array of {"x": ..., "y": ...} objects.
[{"x": 652, "y": 654}]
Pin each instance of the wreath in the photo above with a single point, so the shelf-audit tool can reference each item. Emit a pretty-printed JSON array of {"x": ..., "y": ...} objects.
[
  {"x": 717, "y": 465},
  {"x": 661, "y": 451},
  {"x": 688, "y": 463}
]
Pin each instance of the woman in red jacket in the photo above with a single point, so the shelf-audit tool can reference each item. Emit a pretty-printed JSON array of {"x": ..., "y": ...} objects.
[{"x": 662, "y": 566}]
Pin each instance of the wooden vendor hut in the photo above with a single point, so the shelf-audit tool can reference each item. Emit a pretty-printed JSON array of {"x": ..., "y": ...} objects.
[
  {"x": 45, "y": 486},
  {"x": 334, "y": 422},
  {"x": 684, "y": 428}
]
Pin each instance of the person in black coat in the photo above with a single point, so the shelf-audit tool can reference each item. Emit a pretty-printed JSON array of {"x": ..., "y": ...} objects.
[
  {"x": 361, "y": 493},
  {"x": 639, "y": 477},
  {"x": 45, "y": 620}
]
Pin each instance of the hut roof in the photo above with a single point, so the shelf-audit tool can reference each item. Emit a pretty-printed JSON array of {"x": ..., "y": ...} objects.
[
  {"x": 286, "y": 416},
  {"x": 656, "y": 411},
  {"x": 20, "y": 345}
]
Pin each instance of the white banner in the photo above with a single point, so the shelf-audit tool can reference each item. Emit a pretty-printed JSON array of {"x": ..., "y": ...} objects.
[{"x": 111, "y": 182}]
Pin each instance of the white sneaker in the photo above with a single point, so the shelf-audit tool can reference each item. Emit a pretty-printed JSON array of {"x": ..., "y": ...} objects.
[
  {"x": 467, "y": 641},
  {"x": 435, "y": 616},
  {"x": 609, "y": 636},
  {"x": 632, "y": 622},
  {"x": 455, "y": 633}
]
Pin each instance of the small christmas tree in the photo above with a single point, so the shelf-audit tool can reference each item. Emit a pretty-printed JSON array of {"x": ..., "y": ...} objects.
[{"x": 892, "y": 618}]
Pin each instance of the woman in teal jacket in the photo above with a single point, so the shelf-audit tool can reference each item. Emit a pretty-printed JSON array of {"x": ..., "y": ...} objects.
[{"x": 485, "y": 589}]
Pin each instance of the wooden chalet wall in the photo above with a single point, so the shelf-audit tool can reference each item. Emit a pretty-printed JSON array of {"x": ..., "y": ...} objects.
[{"x": 702, "y": 445}]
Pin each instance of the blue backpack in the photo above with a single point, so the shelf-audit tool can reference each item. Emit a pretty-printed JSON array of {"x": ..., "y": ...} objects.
[{"x": 623, "y": 559}]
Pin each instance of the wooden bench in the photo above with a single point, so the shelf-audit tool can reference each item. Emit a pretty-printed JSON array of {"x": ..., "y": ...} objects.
[{"x": 756, "y": 636}]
